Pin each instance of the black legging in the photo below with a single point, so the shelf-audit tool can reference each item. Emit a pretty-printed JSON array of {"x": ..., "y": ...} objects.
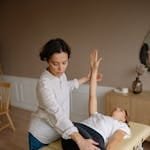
[{"x": 87, "y": 133}]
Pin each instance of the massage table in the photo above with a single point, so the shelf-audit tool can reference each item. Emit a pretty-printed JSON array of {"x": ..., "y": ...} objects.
[{"x": 139, "y": 133}]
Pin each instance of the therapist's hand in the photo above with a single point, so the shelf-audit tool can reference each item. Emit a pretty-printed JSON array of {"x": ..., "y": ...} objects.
[
  {"x": 83, "y": 79},
  {"x": 88, "y": 144},
  {"x": 84, "y": 144}
]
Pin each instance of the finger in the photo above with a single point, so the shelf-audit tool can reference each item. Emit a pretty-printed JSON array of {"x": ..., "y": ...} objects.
[
  {"x": 89, "y": 74},
  {"x": 96, "y": 55},
  {"x": 95, "y": 148},
  {"x": 99, "y": 60},
  {"x": 91, "y": 57},
  {"x": 94, "y": 142}
]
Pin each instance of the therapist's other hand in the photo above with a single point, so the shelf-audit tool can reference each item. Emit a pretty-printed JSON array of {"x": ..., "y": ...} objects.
[
  {"x": 88, "y": 144},
  {"x": 99, "y": 77},
  {"x": 84, "y": 144}
]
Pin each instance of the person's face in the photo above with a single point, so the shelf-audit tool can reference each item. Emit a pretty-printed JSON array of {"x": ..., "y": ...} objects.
[
  {"x": 58, "y": 63},
  {"x": 119, "y": 114}
]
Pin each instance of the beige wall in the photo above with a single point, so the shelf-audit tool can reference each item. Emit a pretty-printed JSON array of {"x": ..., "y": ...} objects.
[{"x": 115, "y": 28}]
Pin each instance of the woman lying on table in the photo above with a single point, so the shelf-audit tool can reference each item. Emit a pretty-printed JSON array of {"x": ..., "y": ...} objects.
[{"x": 103, "y": 131}]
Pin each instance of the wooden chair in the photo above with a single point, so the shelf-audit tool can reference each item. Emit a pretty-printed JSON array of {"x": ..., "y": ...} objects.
[
  {"x": 5, "y": 119},
  {"x": 1, "y": 71}
]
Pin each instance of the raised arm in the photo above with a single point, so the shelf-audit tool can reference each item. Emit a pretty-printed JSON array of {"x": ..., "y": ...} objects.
[{"x": 94, "y": 64}]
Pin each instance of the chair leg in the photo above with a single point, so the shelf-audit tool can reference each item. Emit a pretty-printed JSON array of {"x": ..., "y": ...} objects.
[
  {"x": 4, "y": 126},
  {"x": 10, "y": 121}
]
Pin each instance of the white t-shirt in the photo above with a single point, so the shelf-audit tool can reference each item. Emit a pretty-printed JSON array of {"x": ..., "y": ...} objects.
[
  {"x": 52, "y": 115},
  {"x": 106, "y": 125}
]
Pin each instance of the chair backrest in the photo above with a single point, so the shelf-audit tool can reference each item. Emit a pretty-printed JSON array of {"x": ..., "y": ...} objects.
[
  {"x": 1, "y": 70},
  {"x": 4, "y": 96}
]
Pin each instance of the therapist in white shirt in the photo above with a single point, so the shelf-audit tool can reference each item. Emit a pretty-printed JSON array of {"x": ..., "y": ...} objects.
[{"x": 51, "y": 120}]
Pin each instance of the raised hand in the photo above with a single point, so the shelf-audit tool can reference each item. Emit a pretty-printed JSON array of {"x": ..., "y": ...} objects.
[{"x": 94, "y": 64}]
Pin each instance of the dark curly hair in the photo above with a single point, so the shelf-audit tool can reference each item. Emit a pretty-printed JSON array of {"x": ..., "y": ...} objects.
[
  {"x": 54, "y": 46},
  {"x": 126, "y": 117}
]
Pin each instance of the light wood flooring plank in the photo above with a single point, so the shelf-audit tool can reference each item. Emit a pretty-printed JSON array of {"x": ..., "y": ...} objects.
[{"x": 17, "y": 140}]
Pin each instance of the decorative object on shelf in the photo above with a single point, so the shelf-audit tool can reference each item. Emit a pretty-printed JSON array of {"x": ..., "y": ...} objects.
[
  {"x": 123, "y": 91},
  {"x": 137, "y": 85},
  {"x": 144, "y": 54},
  {"x": 140, "y": 69}
]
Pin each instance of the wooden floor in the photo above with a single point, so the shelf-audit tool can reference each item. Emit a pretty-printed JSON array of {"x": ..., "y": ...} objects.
[{"x": 17, "y": 140}]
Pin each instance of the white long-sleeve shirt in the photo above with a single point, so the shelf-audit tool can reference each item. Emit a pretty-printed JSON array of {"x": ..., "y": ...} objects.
[
  {"x": 106, "y": 125},
  {"x": 53, "y": 95}
]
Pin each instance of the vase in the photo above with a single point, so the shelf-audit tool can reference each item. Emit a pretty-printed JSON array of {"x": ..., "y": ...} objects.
[{"x": 137, "y": 86}]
